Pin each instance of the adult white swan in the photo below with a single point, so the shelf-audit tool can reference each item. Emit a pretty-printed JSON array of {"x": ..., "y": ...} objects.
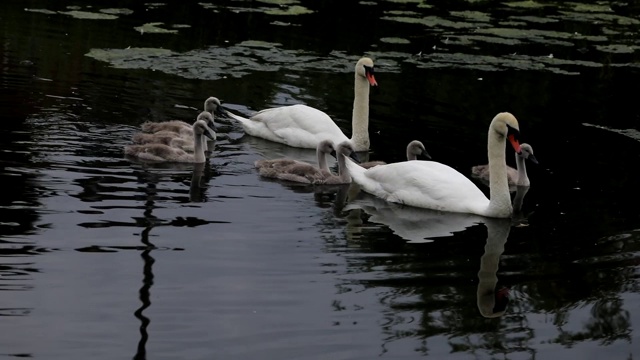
[
  {"x": 432, "y": 185},
  {"x": 304, "y": 127}
]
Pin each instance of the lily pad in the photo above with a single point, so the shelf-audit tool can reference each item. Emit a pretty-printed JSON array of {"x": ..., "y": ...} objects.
[
  {"x": 259, "y": 44},
  {"x": 395, "y": 40},
  {"x": 279, "y": 2},
  {"x": 529, "y": 4},
  {"x": 88, "y": 15},
  {"x": 41, "y": 11},
  {"x": 472, "y": 15},
  {"x": 154, "y": 28},
  {"x": 292, "y": 10},
  {"x": 117, "y": 11},
  {"x": 617, "y": 48}
]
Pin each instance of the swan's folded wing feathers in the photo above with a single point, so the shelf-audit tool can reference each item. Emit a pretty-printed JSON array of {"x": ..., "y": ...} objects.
[
  {"x": 422, "y": 183},
  {"x": 300, "y": 124}
]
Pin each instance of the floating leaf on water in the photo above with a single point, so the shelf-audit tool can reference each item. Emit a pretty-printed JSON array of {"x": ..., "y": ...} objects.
[
  {"x": 617, "y": 48},
  {"x": 41, "y": 11},
  {"x": 88, "y": 15},
  {"x": 293, "y": 10},
  {"x": 259, "y": 44},
  {"x": 608, "y": 31},
  {"x": 526, "y": 4},
  {"x": 121, "y": 57},
  {"x": 181, "y": 26},
  {"x": 154, "y": 28},
  {"x": 117, "y": 11},
  {"x": 589, "y": 7},
  {"x": 282, "y": 23},
  {"x": 368, "y": 3},
  {"x": 472, "y": 15},
  {"x": 402, "y": 12},
  {"x": 534, "y": 19},
  {"x": 154, "y": 5},
  {"x": 597, "y": 17},
  {"x": 394, "y": 40},
  {"x": 435, "y": 22},
  {"x": 73, "y": 7},
  {"x": 279, "y": 2},
  {"x": 487, "y": 39}
]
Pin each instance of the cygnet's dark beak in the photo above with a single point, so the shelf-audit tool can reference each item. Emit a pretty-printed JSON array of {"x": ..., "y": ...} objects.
[
  {"x": 426, "y": 154},
  {"x": 220, "y": 112},
  {"x": 210, "y": 133},
  {"x": 533, "y": 159},
  {"x": 355, "y": 157}
]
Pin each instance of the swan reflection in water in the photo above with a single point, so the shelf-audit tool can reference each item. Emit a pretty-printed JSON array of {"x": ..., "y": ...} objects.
[
  {"x": 493, "y": 298},
  {"x": 417, "y": 225}
]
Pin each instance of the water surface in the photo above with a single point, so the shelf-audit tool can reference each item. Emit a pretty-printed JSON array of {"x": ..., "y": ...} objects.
[{"x": 107, "y": 258}]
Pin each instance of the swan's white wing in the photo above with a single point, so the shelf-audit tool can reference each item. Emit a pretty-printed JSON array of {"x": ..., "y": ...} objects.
[
  {"x": 425, "y": 184},
  {"x": 300, "y": 125}
]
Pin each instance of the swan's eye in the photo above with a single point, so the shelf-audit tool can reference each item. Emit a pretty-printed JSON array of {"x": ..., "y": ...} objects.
[
  {"x": 368, "y": 69},
  {"x": 513, "y": 132}
]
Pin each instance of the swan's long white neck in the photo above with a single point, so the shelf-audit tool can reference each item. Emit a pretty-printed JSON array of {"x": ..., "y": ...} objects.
[
  {"x": 500, "y": 198},
  {"x": 343, "y": 171},
  {"x": 198, "y": 151},
  {"x": 360, "y": 117},
  {"x": 523, "y": 179}
]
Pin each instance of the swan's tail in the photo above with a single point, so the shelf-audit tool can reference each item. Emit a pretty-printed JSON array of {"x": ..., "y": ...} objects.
[
  {"x": 355, "y": 171},
  {"x": 239, "y": 118}
]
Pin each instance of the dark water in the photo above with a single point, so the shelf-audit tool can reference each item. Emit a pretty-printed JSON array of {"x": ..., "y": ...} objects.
[{"x": 103, "y": 258}]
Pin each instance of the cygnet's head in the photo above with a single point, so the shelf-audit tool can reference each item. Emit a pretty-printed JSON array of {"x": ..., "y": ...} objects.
[
  {"x": 346, "y": 148},
  {"x": 527, "y": 153},
  {"x": 214, "y": 106},
  {"x": 364, "y": 68},
  {"x": 200, "y": 128},
  {"x": 325, "y": 147},
  {"x": 207, "y": 118},
  {"x": 417, "y": 148}
]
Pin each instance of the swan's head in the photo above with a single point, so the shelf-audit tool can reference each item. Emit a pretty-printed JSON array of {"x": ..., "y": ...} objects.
[
  {"x": 364, "y": 68},
  {"x": 200, "y": 127},
  {"x": 506, "y": 125},
  {"x": 417, "y": 148},
  {"x": 346, "y": 148},
  {"x": 213, "y": 106},
  {"x": 325, "y": 147},
  {"x": 527, "y": 153},
  {"x": 207, "y": 118}
]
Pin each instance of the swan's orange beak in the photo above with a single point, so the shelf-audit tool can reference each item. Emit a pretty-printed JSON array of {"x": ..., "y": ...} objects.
[
  {"x": 372, "y": 79},
  {"x": 514, "y": 142}
]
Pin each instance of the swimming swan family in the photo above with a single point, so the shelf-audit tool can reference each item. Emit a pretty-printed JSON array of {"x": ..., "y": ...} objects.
[
  {"x": 302, "y": 172},
  {"x": 432, "y": 185},
  {"x": 165, "y": 153},
  {"x": 305, "y": 127}
]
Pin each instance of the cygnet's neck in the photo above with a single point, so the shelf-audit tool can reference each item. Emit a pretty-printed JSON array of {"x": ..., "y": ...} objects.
[
  {"x": 343, "y": 172},
  {"x": 523, "y": 179},
  {"x": 322, "y": 160},
  {"x": 198, "y": 151},
  {"x": 360, "y": 117}
]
